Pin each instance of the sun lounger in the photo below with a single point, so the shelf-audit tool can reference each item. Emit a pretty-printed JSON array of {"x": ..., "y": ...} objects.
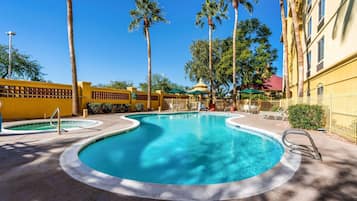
[{"x": 278, "y": 115}]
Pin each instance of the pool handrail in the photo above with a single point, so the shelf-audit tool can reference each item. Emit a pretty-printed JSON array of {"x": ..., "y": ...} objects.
[
  {"x": 56, "y": 111},
  {"x": 314, "y": 152}
]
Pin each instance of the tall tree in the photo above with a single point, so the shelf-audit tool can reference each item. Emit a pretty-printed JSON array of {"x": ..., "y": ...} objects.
[
  {"x": 214, "y": 11},
  {"x": 160, "y": 82},
  {"x": 249, "y": 7},
  {"x": 22, "y": 65},
  {"x": 255, "y": 55},
  {"x": 147, "y": 12},
  {"x": 75, "y": 97},
  {"x": 300, "y": 56},
  {"x": 197, "y": 67},
  {"x": 285, "y": 43},
  {"x": 117, "y": 84}
]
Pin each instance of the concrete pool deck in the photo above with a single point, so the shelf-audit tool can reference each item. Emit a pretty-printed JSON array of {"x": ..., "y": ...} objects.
[{"x": 30, "y": 170}]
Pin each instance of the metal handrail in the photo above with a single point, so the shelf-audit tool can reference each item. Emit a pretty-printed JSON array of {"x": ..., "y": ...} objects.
[
  {"x": 314, "y": 152},
  {"x": 56, "y": 111}
]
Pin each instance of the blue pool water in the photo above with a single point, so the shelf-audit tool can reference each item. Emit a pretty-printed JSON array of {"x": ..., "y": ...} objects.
[{"x": 186, "y": 149}]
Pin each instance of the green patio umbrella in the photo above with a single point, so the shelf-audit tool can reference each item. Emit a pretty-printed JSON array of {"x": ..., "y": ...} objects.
[
  {"x": 196, "y": 92},
  {"x": 250, "y": 92},
  {"x": 177, "y": 91}
]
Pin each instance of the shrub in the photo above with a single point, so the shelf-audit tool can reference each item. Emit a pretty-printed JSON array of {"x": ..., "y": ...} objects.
[
  {"x": 275, "y": 108},
  {"x": 126, "y": 107},
  {"x": 139, "y": 107},
  {"x": 116, "y": 108},
  {"x": 107, "y": 107},
  {"x": 306, "y": 116},
  {"x": 120, "y": 108},
  {"x": 100, "y": 108},
  {"x": 94, "y": 108}
]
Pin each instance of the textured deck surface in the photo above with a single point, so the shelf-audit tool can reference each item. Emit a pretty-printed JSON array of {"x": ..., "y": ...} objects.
[{"x": 30, "y": 170}]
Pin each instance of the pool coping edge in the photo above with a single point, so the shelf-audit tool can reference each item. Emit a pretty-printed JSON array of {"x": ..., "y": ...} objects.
[{"x": 278, "y": 175}]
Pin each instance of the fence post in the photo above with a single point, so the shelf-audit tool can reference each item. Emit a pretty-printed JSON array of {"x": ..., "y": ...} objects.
[{"x": 85, "y": 93}]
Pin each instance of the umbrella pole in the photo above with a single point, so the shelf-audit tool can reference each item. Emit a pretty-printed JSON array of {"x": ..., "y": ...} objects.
[{"x": 250, "y": 101}]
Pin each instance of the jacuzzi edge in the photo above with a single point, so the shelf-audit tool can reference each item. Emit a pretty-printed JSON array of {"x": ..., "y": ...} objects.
[
  {"x": 277, "y": 176},
  {"x": 6, "y": 131}
]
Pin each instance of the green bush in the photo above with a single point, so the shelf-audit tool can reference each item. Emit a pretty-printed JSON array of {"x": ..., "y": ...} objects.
[
  {"x": 107, "y": 107},
  {"x": 275, "y": 108},
  {"x": 306, "y": 116},
  {"x": 94, "y": 108},
  {"x": 139, "y": 107},
  {"x": 120, "y": 108}
]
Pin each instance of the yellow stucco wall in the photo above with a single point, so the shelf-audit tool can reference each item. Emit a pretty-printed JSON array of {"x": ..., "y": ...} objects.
[
  {"x": 30, "y": 100},
  {"x": 19, "y": 105}
]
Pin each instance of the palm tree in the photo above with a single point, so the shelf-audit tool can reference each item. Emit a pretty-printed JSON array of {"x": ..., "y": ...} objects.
[
  {"x": 249, "y": 7},
  {"x": 300, "y": 57},
  {"x": 213, "y": 11},
  {"x": 148, "y": 13},
  {"x": 75, "y": 98},
  {"x": 285, "y": 42}
]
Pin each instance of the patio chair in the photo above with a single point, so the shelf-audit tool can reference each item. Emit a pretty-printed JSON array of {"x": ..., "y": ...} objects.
[
  {"x": 281, "y": 114},
  {"x": 305, "y": 150},
  {"x": 202, "y": 107}
]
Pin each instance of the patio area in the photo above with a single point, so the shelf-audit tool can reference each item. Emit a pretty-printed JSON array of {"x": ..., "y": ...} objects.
[{"x": 30, "y": 169}]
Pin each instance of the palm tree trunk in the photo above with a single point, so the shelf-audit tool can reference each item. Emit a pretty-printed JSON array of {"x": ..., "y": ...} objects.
[
  {"x": 75, "y": 98},
  {"x": 147, "y": 34},
  {"x": 285, "y": 42},
  {"x": 300, "y": 57},
  {"x": 234, "y": 55},
  {"x": 210, "y": 64}
]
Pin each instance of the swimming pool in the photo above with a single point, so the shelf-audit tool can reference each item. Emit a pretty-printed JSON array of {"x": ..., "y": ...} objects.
[
  {"x": 184, "y": 149},
  {"x": 45, "y": 126},
  {"x": 195, "y": 161}
]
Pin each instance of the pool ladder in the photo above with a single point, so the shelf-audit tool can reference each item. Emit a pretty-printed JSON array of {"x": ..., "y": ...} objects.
[
  {"x": 310, "y": 151},
  {"x": 56, "y": 111}
]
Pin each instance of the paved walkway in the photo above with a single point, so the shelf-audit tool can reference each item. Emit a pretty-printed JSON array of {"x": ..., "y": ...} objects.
[{"x": 30, "y": 170}]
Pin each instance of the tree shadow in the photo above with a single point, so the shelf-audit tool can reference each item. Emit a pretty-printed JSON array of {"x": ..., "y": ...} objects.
[
  {"x": 333, "y": 179},
  {"x": 344, "y": 17},
  {"x": 30, "y": 170}
]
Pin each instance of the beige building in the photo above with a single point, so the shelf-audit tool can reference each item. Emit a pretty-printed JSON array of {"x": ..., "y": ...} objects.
[
  {"x": 329, "y": 40},
  {"x": 329, "y": 36}
]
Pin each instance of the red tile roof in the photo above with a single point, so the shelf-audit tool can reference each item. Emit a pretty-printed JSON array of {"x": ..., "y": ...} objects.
[{"x": 274, "y": 83}]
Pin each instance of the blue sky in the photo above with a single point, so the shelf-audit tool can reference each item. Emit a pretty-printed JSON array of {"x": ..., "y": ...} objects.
[{"x": 105, "y": 49}]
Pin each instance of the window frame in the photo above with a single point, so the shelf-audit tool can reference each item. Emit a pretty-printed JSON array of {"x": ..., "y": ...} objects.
[
  {"x": 321, "y": 14},
  {"x": 309, "y": 30},
  {"x": 308, "y": 64},
  {"x": 320, "y": 53}
]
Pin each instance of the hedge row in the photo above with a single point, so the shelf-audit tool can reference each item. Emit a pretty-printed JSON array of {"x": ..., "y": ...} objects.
[
  {"x": 304, "y": 116},
  {"x": 100, "y": 108}
]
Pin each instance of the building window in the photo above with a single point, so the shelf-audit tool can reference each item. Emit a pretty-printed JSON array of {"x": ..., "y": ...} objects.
[
  {"x": 320, "y": 52},
  {"x": 321, "y": 14},
  {"x": 320, "y": 90},
  {"x": 309, "y": 30},
  {"x": 308, "y": 62},
  {"x": 321, "y": 9},
  {"x": 320, "y": 93}
]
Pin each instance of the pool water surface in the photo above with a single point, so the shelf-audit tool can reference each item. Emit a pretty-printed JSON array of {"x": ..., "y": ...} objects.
[{"x": 184, "y": 149}]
